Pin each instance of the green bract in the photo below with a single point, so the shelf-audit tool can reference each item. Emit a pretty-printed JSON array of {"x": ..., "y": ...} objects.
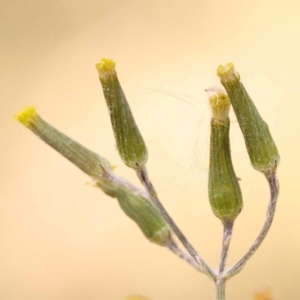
[
  {"x": 260, "y": 145},
  {"x": 130, "y": 143}
]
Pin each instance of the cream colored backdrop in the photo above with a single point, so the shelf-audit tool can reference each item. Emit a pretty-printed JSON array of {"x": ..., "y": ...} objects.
[{"x": 63, "y": 239}]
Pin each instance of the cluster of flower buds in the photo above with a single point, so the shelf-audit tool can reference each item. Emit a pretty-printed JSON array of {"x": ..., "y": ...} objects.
[
  {"x": 223, "y": 187},
  {"x": 134, "y": 203},
  {"x": 224, "y": 192}
]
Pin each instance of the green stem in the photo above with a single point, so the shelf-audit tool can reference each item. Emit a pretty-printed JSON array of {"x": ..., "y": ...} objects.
[
  {"x": 143, "y": 176},
  {"x": 220, "y": 282},
  {"x": 220, "y": 289},
  {"x": 225, "y": 246},
  {"x": 173, "y": 247},
  {"x": 274, "y": 190}
]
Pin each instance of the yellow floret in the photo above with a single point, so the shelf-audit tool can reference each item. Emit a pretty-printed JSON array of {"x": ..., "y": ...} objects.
[
  {"x": 26, "y": 116},
  {"x": 218, "y": 100},
  {"x": 225, "y": 69},
  {"x": 227, "y": 72},
  {"x": 220, "y": 104},
  {"x": 105, "y": 67}
]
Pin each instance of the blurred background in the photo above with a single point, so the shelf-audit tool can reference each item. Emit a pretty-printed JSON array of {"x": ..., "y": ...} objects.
[{"x": 63, "y": 239}]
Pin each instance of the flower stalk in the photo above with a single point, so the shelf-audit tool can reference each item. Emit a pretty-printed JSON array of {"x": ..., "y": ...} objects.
[
  {"x": 204, "y": 267},
  {"x": 260, "y": 145},
  {"x": 224, "y": 192},
  {"x": 173, "y": 247},
  {"x": 274, "y": 192}
]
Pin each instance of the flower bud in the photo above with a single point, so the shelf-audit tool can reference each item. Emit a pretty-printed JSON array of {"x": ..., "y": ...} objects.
[
  {"x": 260, "y": 145},
  {"x": 223, "y": 188},
  {"x": 145, "y": 215},
  {"x": 140, "y": 210},
  {"x": 86, "y": 160},
  {"x": 130, "y": 143}
]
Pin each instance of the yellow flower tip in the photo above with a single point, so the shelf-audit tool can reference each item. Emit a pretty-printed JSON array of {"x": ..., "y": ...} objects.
[
  {"x": 224, "y": 69},
  {"x": 26, "y": 116},
  {"x": 227, "y": 72},
  {"x": 219, "y": 100},
  {"x": 220, "y": 105},
  {"x": 105, "y": 67}
]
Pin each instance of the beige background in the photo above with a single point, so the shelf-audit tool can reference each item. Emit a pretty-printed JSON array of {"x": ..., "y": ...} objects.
[{"x": 62, "y": 239}]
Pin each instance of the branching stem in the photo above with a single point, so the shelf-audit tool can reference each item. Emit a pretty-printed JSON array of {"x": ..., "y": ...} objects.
[
  {"x": 172, "y": 246},
  {"x": 143, "y": 176}
]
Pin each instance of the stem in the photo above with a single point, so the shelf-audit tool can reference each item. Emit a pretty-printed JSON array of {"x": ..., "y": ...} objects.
[
  {"x": 172, "y": 246},
  {"x": 274, "y": 190},
  {"x": 220, "y": 282},
  {"x": 143, "y": 176},
  {"x": 220, "y": 288},
  {"x": 225, "y": 245}
]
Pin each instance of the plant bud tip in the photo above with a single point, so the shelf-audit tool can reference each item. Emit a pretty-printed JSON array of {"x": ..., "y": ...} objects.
[
  {"x": 26, "y": 116},
  {"x": 227, "y": 72},
  {"x": 105, "y": 67},
  {"x": 220, "y": 105}
]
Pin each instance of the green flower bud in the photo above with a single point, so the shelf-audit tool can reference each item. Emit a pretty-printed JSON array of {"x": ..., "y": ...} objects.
[
  {"x": 86, "y": 160},
  {"x": 130, "y": 143},
  {"x": 260, "y": 145},
  {"x": 140, "y": 210},
  {"x": 145, "y": 215},
  {"x": 223, "y": 188}
]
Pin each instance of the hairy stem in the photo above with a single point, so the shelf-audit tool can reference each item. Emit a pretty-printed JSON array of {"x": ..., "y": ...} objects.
[
  {"x": 225, "y": 245},
  {"x": 274, "y": 190},
  {"x": 172, "y": 246},
  {"x": 220, "y": 289},
  {"x": 220, "y": 282},
  {"x": 143, "y": 176}
]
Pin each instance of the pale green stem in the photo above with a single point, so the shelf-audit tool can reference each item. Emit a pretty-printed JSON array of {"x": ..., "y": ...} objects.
[
  {"x": 143, "y": 176},
  {"x": 220, "y": 282},
  {"x": 274, "y": 190},
  {"x": 220, "y": 289},
  {"x": 225, "y": 245},
  {"x": 173, "y": 247}
]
